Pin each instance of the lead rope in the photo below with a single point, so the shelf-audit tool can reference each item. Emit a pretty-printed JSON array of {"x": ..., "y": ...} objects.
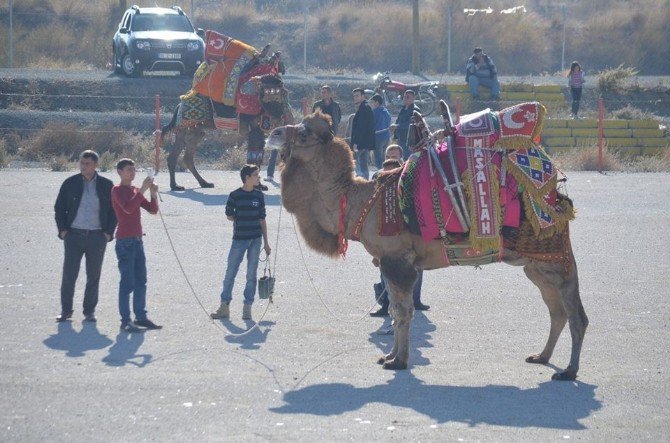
[
  {"x": 316, "y": 291},
  {"x": 195, "y": 295}
]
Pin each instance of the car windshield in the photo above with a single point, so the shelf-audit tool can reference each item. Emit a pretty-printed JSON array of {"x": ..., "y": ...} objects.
[{"x": 161, "y": 23}]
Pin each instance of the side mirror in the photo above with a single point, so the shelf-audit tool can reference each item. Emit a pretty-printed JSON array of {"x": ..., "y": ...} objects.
[
  {"x": 200, "y": 32},
  {"x": 124, "y": 31}
]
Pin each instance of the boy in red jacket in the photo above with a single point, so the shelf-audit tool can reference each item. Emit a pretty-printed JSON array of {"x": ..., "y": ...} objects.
[{"x": 127, "y": 201}]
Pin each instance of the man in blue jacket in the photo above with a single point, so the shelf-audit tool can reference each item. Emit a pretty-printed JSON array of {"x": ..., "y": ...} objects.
[
  {"x": 382, "y": 124},
  {"x": 86, "y": 223},
  {"x": 401, "y": 126},
  {"x": 480, "y": 70}
]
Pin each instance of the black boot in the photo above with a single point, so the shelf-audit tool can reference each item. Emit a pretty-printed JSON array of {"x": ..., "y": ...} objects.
[{"x": 381, "y": 312}]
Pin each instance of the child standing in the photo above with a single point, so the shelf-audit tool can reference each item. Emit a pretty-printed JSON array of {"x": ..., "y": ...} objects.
[
  {"x": 127, "y": 201},
  {"x": 575, "y": 81},
  {"x": 246, "y": 209}
]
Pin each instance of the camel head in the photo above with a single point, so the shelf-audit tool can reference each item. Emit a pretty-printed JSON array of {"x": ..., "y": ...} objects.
[{"x": 302, "y": 142}]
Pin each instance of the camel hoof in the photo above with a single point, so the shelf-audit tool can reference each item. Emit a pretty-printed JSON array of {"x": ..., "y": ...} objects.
[
  {"x": 177, "y": 188},
  {"x": 381, "y": 360},
  {"x": 537, "y": 358},
  {"x": 564, "y": 376},
  {"x": 394, "y": 364},
  {"x": 206, "y": 185}
]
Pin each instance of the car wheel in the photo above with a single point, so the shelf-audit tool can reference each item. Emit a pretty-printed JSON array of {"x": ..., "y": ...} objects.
[
  {"x": 129, "y": 67},
  {"x": 116, "y": 61}
]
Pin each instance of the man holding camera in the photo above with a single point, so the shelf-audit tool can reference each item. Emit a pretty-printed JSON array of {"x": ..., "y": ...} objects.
[
  {"x": 480, "y": 70},
  {"x": 86, "y": 223}
]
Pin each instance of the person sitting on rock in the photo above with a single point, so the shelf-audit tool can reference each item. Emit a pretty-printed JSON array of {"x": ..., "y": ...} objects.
[{"x": 481, "y": 71}]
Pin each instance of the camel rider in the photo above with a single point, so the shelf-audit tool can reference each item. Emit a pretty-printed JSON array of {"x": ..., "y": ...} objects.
[{"x": 480, "y": 70}]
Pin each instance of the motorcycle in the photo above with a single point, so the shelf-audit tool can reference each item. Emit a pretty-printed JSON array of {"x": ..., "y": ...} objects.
[{"x": 392, "y": 92}]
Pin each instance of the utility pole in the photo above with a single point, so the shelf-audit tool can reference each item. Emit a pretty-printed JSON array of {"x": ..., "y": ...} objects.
[
  {"x": 449, "y": 17},
  {"x": 304, "y": 45},
  {"x": 11, "y": 34},
  {"x": 415, "y": 37},
  {"x": 565, "y": 16}
]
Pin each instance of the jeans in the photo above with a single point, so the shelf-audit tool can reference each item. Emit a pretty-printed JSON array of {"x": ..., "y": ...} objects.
[
  {"x": 576, "y": 98},
  {"x": 78, "y": 243},
  {"x": 491, "y": 83},
  {"x": 272, "y": 163},
  {"x": 401, "y": 135},
  {"x": 380, "y": 153},
  {"x": 362, "y": 156},
  {"x": 416, "y": 292},
  {"x": 133, "y": 270},
  {"x": 235, "y": 255}
]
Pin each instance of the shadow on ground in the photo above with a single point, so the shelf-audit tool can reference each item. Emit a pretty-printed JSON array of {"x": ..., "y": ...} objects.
[
  {"x": 555, "y": 405},
  {"x": 76, "y": 344}
]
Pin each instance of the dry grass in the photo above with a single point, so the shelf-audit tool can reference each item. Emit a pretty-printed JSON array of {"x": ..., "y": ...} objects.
[
  {"x": 587, "y": 160},
  {"x": 4, "y": 156},
  {"x": 613, "y": 80}
]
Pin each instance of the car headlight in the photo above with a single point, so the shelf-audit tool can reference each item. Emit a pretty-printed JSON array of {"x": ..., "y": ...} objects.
[
  {"x": 193, "y": 46},
  {"x": 143, "y": 45}
]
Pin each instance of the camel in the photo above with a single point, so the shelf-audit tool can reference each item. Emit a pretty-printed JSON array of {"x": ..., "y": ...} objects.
[
  {"x": 269, "y": 100},
  {"x": 318, "y": 171}
]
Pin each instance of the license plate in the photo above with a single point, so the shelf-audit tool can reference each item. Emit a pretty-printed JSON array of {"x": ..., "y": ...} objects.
[{"x": 169, "y": 55}]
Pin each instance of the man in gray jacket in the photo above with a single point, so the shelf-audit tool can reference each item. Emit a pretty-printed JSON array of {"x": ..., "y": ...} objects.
[{"x": 480, "y": 70}]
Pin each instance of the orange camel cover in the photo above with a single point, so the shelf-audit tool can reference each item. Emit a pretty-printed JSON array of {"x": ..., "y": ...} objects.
[{"x": 218, "y": 77}]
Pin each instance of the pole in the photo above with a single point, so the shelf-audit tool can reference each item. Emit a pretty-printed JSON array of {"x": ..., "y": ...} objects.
[
  {"x": 458, "y": 110},
  {"x": 565, "y": 16},
  {"x": 415, "y": 37},
  {"x": 11, "y": 33},
  {"x": 157, "y": 135},
  {"x": 601, "y": 112},
  {"x": 192, "y": 11},
  {"x": 449, "y": 17},
  {"x": 304, "y": 46}
]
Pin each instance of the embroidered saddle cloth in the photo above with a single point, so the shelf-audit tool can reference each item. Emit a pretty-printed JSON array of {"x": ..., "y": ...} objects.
[{"x": 503, "y": 171}]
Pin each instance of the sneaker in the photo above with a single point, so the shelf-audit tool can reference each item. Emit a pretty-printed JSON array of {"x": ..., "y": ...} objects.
[
  {"x": 64, "y": 316},
  {"x": 222, "y": 312},
  {"x": 90, "y": 318},
  {"x": 147, "y": 324},
  {"x": 381, "y": 312},
  {"x": 130, "y": 327},
  {"x": 269, "y": 179},
  {"x": 246, "y": 312},
  {"x": 421, "y": 307}
]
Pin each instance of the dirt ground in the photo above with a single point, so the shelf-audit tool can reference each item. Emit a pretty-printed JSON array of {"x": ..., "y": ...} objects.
[{"x": 308, "y": 372}]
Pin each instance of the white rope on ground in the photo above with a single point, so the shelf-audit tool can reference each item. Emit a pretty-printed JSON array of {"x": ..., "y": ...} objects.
[
  {"x": 195, "y": 295},
  {"x": 316, "y": 291}
]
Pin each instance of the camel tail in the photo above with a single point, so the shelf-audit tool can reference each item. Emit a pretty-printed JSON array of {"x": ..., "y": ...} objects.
[{"x": 170, "y": 126}]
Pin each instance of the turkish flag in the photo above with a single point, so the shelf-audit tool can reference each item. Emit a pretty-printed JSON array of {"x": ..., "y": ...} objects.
[{"x": 216, "y": 45}]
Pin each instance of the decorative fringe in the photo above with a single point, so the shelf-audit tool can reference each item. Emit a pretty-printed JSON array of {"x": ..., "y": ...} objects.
[
  {"x": 526, "y": 182},
  {"x": 479, "y": 243},
  {"x": 562, "y": 214}
]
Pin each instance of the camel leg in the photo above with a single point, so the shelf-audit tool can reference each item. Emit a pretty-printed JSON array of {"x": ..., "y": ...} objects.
[
  {"x": 175, "y": 150},
  {"x": 400, "y": 277},
  {"x": 560, "y": 292},
  {"x": 189, "y": 159}
]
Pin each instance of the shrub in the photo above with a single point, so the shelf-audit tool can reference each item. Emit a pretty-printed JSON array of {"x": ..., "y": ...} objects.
[
  {"x": 586, "y": 159},
  {"x": 630, "y": 112},
  {"x": 612, "y": 80},
  {"x": 59, "y": 163},
  {"x": 4, "y": 157}
]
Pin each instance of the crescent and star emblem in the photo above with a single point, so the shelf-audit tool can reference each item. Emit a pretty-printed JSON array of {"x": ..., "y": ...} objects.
[{"x": 216, "y": 43}]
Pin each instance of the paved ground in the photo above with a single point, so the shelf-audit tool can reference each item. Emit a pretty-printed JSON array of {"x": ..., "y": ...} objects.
[{"x": 307, "y": 374}]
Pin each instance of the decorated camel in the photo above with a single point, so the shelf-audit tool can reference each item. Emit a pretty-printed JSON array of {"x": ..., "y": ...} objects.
[
  {"x": 237, "y": 88},
  {"x": 502, "y": 207}
]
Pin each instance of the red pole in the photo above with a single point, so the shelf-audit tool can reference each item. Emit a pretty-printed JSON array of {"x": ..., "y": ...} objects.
[
  {"x": 157, "y": 136},
  {"x": 458, "y": 110},
  {"x": 601, "y": 112},
  {"x": 305, "y": 106}
]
